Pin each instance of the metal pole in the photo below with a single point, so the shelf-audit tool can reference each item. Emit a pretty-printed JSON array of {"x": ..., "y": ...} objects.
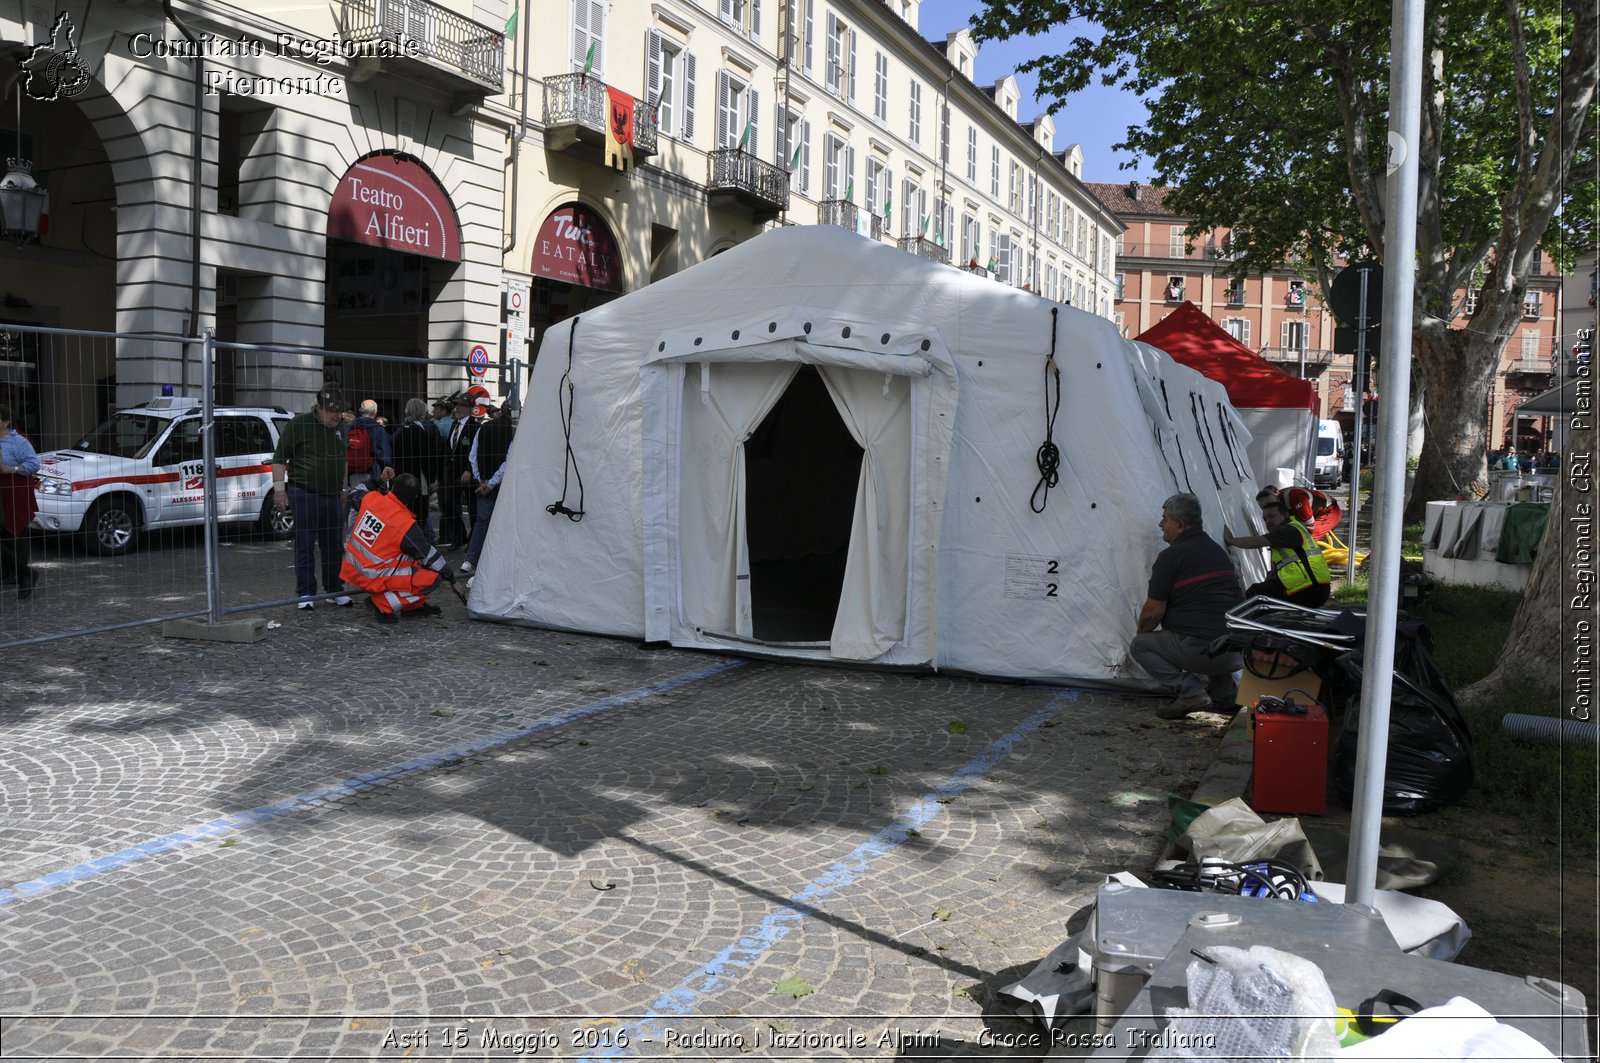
[
  {"x": 1400, "y": 250},
  {"x": 1359, "y": 382},
  {"x": 208, "y": 457}
]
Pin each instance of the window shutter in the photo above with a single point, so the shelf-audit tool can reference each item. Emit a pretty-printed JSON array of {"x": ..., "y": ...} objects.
[
  {"x": 834, "y": 74},
  {"x": 830, "y": 166},
  {"x": 725, "y": 9},
  {"x": 688, "y": 96},
  {"x": 805, "y": 155},
  {"x": 880, "y": 88},
  {"x": 755, "y": 121},
  {"x": 849, "y": 165},
  {"x": 850, "y": 90},
  {"x": 580, "y": 33},
  {"x": 810, "y": 27},
  {"x": 725, "y": 115},
  {"x": 755, "y": 18},
  {"x": 652, "y": 68},
  {"x": 597, "y": 34}
]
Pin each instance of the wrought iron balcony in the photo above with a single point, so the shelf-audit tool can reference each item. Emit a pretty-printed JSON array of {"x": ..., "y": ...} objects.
[
  {"x": 847, "y": 215},
  {"x": 1288, "y": 359},
  {"x": 973, "y": 267},
  {"x": 575, "y": 113},
  {"x": 923, "y": 247},
  {"x": 428, "y": 42},
  {"x": 739, "y": 178}
]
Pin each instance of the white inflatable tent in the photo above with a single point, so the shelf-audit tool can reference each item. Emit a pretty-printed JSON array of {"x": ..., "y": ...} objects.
[{"x": 817, "y": 446}]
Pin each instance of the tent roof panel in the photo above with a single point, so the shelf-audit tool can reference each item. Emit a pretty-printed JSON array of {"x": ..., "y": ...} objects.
[{"x": 1193, "y": 339}]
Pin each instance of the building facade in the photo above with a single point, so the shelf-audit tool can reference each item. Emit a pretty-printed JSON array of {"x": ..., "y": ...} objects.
[
  {"x": 1284, "y": 317},
  {"x": 415, "y": 179},
  {"x": 320, "y": 177},
  {"x": 747, "y": 114}
]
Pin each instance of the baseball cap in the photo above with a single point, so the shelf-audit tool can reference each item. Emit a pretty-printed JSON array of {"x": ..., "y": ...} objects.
[{"x": 332, "y": 400}]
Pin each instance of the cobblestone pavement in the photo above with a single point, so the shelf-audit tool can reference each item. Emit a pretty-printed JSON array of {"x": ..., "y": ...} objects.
[{"x": 458, "y": 840}]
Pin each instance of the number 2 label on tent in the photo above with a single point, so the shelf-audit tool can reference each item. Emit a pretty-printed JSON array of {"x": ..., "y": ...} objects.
[{"x": 1033, "y": 577}]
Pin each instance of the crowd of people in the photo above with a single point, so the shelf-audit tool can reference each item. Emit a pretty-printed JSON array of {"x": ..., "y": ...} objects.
[
  {"x": 1508, "y": 459},
  {"x": 362, "y": 495}
]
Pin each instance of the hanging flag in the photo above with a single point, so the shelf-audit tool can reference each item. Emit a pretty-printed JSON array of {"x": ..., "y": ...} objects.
[
  {"x": 794, "y": 163},
  {"x": 511, "y": 25},
  {"x": 888, "y": 198},
  {"x": 850, "y": 191},
  {"x": 926, "y": 218},
  {"x": 619, "y": 129},
  {"x": 992, "y": 264},
  {"x": 588, "y": 61},
  {"x": 744, "y": 138}
]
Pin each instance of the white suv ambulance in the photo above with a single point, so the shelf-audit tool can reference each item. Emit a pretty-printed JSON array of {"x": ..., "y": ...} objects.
[{"x": 143, "y": 469}]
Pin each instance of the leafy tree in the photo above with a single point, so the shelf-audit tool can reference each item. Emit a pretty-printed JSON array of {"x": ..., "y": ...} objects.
[{"x": 1272, "y": 117}]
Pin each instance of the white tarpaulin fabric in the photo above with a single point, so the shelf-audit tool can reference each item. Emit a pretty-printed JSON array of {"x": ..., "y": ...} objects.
[{"x": 945, "y": 547}]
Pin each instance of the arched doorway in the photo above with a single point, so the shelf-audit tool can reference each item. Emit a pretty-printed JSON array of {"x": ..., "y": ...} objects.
[
  {"x": 394, "y": 241},
  {"x": 576, "y": 266}
]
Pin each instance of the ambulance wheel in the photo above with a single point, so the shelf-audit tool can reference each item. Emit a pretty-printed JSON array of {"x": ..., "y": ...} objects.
[
  {"x": 111, "y": 525},
  {"x": 276, "y": 523}
]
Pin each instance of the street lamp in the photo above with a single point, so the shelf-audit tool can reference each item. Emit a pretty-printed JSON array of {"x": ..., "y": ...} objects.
[{"x": 21, "y": 199}]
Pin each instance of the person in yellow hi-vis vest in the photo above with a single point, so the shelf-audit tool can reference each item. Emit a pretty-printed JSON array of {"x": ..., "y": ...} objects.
[
  {"x": 388, "y": 556},
  {"x": 1300, "y": 573}
]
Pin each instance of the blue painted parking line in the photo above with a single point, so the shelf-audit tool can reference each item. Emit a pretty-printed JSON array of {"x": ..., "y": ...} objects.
[
  {"x": 686, "y": 997},
  {"x": 239, "y": 821}
]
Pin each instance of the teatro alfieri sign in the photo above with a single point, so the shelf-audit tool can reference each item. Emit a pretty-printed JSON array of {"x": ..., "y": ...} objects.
[{"x": 390, "y": 201}]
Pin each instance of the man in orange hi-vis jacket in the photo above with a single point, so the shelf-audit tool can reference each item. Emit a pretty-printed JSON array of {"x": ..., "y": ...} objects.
[{"x": 388, "y": 556}]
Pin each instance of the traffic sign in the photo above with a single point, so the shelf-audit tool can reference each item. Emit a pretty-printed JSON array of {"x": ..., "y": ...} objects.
[
  {"x": 1344, "y": 297},
  {"x": 478, "y": 360}
]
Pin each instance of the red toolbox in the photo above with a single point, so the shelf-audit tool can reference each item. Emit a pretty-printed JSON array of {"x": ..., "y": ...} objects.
[{"x": 1290, "y": 764}]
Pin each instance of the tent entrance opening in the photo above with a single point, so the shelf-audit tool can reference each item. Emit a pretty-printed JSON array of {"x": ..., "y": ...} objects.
[{"x": 803, "y": 469}]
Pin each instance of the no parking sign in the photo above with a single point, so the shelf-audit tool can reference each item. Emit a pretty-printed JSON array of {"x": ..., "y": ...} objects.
[{"x": 478, "y": 360}]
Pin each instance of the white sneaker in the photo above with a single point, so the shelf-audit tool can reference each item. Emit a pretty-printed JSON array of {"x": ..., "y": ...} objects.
[
  {"x": 343, "y": 600},
  {"x": 306, "y": 603},
  {"x": 469, "y": 583},
  {"x": 466, "y": 567}
]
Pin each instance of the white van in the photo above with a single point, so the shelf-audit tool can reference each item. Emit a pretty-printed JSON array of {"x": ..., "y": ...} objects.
[{"x": 1329, "y": 468}]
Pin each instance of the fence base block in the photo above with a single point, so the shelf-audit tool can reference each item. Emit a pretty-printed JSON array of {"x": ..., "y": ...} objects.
[{"x": 239, "y": 629}]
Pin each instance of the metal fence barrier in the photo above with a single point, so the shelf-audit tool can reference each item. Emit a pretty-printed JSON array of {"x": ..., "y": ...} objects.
[{"x": 160, "y": 508}]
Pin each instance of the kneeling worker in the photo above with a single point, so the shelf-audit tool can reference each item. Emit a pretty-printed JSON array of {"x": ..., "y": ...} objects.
[
  {"x": 388, "y": 556},
  {"x": 1192, "y": 587},
  {"x": 1300, "y": 573}
]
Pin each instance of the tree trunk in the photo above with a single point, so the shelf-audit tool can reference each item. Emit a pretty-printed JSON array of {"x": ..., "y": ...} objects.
[
  {"x": 1555, "y": 625},
  {"x": 1457, "y": 373}
]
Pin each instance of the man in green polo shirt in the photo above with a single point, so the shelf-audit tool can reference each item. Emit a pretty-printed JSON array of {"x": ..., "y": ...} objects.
[{"x": 308, "y": 480}]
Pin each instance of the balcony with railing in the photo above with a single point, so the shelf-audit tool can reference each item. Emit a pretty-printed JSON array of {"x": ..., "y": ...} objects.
[
  {"x": 738, "y": 178},
  {"x": 428, "y": 42},
  {"x": 1288, "y": 360},
  {"x": 923, "y": 247},
  {"x": 575, "y": 108},
  {"x": 847, "y": 215}
]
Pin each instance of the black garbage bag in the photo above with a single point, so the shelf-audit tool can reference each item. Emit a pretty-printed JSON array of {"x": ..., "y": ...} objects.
[{"x": 1429, "y": 764}]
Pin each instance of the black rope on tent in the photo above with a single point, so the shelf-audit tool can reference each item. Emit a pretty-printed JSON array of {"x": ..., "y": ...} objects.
[
  {"x": 571, "y": 462},
  {"x": 1206, "y": 423},
  {"x": 1199, "y": 432},
  {"x": 1176, "y": 438},
  {"x": 1227, "y": 437},
  {"x": 1049, "y": 456}
]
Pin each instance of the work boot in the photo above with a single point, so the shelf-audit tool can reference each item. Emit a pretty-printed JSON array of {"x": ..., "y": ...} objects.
[{"x": 1180, "y": 707}]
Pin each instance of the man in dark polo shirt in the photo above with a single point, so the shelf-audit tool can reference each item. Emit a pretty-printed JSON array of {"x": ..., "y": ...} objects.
[
  {"x": 308, "y": 480},
  {"x": 1192, "y": 586}
]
